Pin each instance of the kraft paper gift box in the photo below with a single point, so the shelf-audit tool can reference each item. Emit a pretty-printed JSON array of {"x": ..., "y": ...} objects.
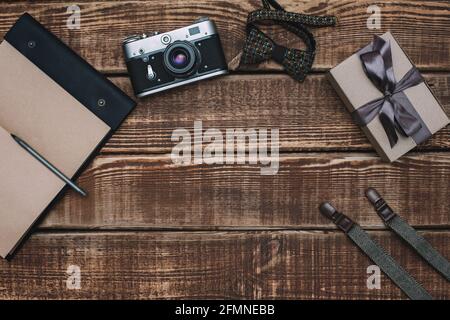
[{"x": 388, "y": 98}]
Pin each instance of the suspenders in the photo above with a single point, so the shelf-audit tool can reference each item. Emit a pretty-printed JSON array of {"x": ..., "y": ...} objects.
[
  {"x": 408, "y": 234},
  {"x": 377, "y": 254}
]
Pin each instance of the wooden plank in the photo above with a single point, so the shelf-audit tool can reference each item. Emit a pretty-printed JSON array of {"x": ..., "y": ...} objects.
[
  {"x": 236, "y": 265},
  {"x": 420, "y": 26},
  {"x": 310, "y": 116},
  {"x": 152, "y": 192}
]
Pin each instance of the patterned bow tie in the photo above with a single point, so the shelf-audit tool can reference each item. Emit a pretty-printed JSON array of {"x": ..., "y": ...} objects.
[{"x": 259, "y": 47}]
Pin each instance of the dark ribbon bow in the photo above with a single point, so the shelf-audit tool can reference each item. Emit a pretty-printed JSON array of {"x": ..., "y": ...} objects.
[
  {"x": 394, "y": 109},
  {"x": 259, "y": 47}
]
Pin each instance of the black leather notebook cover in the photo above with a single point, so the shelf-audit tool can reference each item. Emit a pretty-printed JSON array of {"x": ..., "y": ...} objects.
[
  {"x": 70, "y": 71},
  {"x": 86, "y": 103}
]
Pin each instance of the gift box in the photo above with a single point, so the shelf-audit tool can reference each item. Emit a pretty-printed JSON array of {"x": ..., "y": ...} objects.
[{"x": 388, "y": 98}]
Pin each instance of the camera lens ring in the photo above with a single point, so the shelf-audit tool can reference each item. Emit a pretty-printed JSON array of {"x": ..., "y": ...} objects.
[{"x": 181, "y": 58}]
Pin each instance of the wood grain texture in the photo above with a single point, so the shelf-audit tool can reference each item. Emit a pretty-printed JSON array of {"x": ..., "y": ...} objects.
[
  {"x": 152, "y": 192},
  {"x": 310, "y": 116},
  {"x": 422, "y": 27},
  {"x": 153, "y": 229},
  {"x": 255, "y": 265}
]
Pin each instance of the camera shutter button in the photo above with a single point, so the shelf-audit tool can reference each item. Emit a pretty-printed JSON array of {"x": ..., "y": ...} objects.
[{"x": 166, "y": 39}]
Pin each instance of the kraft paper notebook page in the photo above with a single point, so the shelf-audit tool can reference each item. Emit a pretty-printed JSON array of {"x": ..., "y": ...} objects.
[{"x": 62, "y": 107}]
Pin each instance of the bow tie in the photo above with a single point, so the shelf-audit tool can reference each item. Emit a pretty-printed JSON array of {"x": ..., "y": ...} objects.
[{"x": 259, "y": 47}]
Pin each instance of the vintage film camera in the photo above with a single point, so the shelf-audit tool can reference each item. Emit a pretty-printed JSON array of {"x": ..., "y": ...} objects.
[{"x": 164, "y": 61}]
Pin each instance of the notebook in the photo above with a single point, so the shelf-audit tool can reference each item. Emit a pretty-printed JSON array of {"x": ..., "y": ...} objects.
[{"x": 62, "y": 107}]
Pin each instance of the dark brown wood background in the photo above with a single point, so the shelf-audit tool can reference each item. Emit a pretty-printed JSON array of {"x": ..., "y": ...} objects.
[{"x": 152, "y": 229}]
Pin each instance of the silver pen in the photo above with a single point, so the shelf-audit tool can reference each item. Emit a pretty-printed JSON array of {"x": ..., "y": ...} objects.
[{"x": 49, "y": 166}]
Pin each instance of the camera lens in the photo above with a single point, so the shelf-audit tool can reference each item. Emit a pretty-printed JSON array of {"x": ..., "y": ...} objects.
[{"x": 181, "y": 58}]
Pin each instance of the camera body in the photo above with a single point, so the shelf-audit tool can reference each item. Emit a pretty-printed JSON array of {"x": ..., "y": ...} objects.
[{"x": 164, "y": 61}]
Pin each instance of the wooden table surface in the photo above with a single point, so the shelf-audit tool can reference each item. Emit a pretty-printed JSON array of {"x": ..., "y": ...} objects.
[{"x": 153, "y": 229}]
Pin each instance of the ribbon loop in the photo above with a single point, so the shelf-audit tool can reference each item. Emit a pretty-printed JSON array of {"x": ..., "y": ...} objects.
[{"x": 373, "y": 65}]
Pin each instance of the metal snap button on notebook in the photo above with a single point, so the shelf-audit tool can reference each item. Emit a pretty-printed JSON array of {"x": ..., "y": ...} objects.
[
  {"x": 31, "y": 44},
  {"x": 101, "y": 102}
]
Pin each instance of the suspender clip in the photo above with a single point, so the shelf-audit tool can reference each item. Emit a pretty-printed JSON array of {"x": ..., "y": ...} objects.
[
  {"x": 381, "y": 207},
  {"x": 341, "y": 220}
]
